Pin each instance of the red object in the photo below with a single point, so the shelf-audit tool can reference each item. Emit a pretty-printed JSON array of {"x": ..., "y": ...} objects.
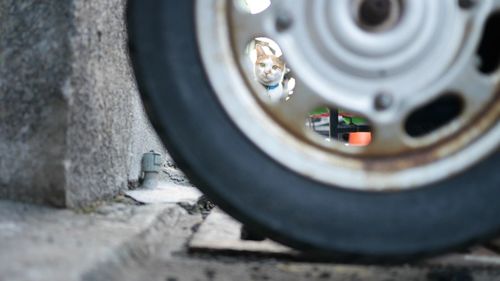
[{"x": 360, "y": 138}]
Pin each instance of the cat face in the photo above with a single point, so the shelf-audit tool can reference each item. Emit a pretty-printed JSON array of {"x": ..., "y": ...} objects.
[{"x": 269, "y": 69}]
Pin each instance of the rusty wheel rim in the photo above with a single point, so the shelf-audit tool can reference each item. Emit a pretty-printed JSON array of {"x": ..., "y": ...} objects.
[{"x": 411, "y": 47}]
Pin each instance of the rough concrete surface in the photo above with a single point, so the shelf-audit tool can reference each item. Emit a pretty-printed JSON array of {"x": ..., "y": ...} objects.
[
  {"x": 40, "y": 243},
  {"x": 34, "y": 65},
  {"x": 72, "y": 126},
  {"x": 108, "y": 132},
  {"x": 124, "y": 241}
]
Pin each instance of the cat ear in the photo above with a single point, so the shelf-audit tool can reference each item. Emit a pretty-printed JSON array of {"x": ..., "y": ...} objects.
[{"x": 260, "y": 51}]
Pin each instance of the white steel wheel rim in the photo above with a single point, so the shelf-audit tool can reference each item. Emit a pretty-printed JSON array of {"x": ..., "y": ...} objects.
[{"x": 409, "y": 163}]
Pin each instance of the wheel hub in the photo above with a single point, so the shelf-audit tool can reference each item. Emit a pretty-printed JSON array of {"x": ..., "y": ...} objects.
[{"x": 354, "y": 47}]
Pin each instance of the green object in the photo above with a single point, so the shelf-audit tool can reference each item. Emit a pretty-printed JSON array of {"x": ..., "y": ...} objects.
[
  {"x": 358, "y": 120},
  {"x": 317, "y": 111},
  {"x": 347, "y": 116}
]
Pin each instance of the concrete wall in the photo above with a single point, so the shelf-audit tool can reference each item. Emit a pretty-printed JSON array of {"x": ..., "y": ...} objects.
[{"x": 72, "y": 127}]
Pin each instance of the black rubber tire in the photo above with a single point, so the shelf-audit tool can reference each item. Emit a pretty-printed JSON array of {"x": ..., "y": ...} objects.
[{"x": 292, "y": 209}]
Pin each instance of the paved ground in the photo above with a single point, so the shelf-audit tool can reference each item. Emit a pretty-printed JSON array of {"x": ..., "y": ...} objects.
[{"x": 125, "y": 241}]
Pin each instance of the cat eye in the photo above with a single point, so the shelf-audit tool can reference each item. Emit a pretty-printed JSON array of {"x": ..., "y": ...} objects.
[
  {"x": 262, "y": 65},
  {"x": 275, "y": 67}
]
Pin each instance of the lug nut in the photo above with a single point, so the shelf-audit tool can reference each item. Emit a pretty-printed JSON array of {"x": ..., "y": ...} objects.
[
  {"x": 283, "y": 21},
  {"x": 466, "y": 4},
  {"x": 383, "y": 101}
]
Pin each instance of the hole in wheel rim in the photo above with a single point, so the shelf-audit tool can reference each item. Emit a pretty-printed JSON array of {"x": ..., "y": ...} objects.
[
  {"x": 489, "y": 48},
  {"x": 338, "y": 126},
  {"x": 434, "y": 115}
]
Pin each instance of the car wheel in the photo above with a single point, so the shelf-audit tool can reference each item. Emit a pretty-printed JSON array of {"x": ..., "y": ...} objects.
[{"x": 423, "y": 73}]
